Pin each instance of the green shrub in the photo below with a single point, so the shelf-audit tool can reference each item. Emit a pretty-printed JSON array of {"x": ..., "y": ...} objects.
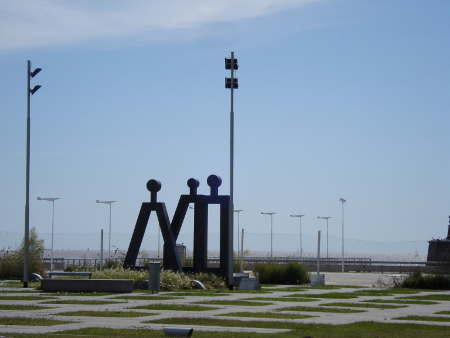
[
  {"x": 173, "y": 281},
  {"x": 209, "y": 280},
  {"x": 11, "y": 263},
  {"x": 121, "y": 273},
  {"x": 417, "y": 280},
  {"x": 169, "y": 280},
  {"x": 272, "y": 273}
]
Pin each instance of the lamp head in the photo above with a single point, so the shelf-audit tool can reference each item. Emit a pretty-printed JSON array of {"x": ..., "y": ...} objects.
[
  {"x": 35, "y": 89},
  {"x": 35, "y": 72}
]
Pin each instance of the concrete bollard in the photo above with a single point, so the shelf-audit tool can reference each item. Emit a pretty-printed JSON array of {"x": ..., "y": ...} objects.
[
  {"x": 154, "y": 273},
  {"x": 177, "y": 332}
]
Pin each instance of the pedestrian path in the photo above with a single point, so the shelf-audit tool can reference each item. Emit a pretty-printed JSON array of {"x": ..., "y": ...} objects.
[{"x": 274, "y": 297}]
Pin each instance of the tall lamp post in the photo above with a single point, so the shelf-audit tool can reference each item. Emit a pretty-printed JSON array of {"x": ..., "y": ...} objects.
[
  {"x": 271, "y": 230},
  {"x": 30, "y": 75},
  {"x": 327, "y": 218},
  {"x": 109, "y": 236},
  {"x": 300, "y": 217},
  {"x": 343, "y": 200},
  {"x": 232, "y": 83},
  {"x": 51, "y": 199},
  {"x": 239, "y": 248}
]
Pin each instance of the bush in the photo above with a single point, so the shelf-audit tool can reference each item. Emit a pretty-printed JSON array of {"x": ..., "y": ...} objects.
[
  {"x": 209, "y": 280},
  {"x": 169, "y": 280},
  {"x": 173, "y": 281},
  {"x": 11, "y": 263},
  {"x": 417, "y": 280},
  {"x": 272, "y": 273}
]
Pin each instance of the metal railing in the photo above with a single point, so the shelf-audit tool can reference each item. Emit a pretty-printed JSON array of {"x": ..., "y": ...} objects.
[{"x": 327, "y": 263}]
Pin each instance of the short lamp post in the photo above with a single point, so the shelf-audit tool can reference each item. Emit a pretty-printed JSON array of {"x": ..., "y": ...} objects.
[
  {"x": 238, "y": 247},
  {"x": 109, "y": 236},
  {"x": 271, "y": 230},
  {"x": 343, "y": 200},
  {"x": 327, "y": 218},
  {"x": 300, "y": 217},
  {"x": 51, "y": 199}
]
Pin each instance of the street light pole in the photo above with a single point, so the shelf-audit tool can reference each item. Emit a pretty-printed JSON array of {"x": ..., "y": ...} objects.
[
  {"x": 343, "y": 200},
  {"x": 51, "y": 199},
  {"x": 327, "y": 218},
  {"x": 300, "y": 217},
  {"x": 109, "y": 236},
  {"x": 30, "y": 74},
  {"x": 271, "y": 230},
  {"x": 231, "y": 83},
  {"x": 238, "y": 211}
]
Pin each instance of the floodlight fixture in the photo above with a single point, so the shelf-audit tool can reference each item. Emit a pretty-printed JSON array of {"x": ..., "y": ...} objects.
[{"x": 35, "y": 72}]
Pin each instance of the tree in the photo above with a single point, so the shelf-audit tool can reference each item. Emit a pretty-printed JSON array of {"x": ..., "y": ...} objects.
[{"x": 11, "y": 264}]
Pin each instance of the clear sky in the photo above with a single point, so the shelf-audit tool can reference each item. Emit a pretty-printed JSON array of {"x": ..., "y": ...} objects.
[{"x": 336, "y": 98}]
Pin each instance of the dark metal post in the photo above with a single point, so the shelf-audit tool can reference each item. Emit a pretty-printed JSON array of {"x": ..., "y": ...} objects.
[
  {"x": 233, "y": 67},
  {"x": 27, "y": 189}
]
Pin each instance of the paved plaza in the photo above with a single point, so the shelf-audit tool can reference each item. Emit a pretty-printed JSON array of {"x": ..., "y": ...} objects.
[{"x": 360, "y": 281}]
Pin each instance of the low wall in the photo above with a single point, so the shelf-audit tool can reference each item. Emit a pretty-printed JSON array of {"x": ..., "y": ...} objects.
[{"x": 87, "y": 285}]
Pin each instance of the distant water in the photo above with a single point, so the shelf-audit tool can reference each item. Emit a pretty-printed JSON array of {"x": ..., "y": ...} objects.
[
  {"x": 87, "y": 246},
  {"x": 95, "y": 254}
]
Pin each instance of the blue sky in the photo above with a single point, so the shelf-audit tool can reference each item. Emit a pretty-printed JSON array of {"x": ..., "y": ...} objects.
[{"x": 339, "y": 98}]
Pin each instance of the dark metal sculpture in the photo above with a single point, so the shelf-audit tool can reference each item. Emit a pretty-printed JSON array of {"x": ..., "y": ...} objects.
[
  {"x": 171, "y": 230},
  {"x": 448, "y": 230}
]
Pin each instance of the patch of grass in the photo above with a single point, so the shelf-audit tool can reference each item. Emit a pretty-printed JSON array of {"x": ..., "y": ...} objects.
[
  {"x": 424, "y": 318},
  {"x": 26, "y": 297},
  {"x": 270, "y": 315},
  {"x": 290, "y": 289},
  {"x": 372, "y": 306},
  {"x": 385, "y": 292},
  {"x": 329, "y": 295},
  {"x": 252, "y": 291},
  {"x": 31, "y": 321},
  {"x": 283, "y": 299},
  {"x": 82, "y": 302},
  {"x": 437, "y": 297},
  {"x": 442, "y": 313},
  {"x": 226, "y": 323},
  {"x": 144, "y": 297},
  {"x": 22, "y": 307},
  {"x": 121, "y": 314},
  {"x": 206, "y": 294},
  {"x": 332, "y": 287},
  {"x": 174, "y": 307},
  {"x": 234, "y": 302},
  {"x": 396, "y": 301},
  {"x": 359, "y": 329},
  {"x": 319, "y": 309},
  {"x": 12, "y": 284}
]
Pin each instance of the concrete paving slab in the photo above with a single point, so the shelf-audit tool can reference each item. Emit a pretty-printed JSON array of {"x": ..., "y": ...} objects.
[{"x": 358, "y": 280}]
